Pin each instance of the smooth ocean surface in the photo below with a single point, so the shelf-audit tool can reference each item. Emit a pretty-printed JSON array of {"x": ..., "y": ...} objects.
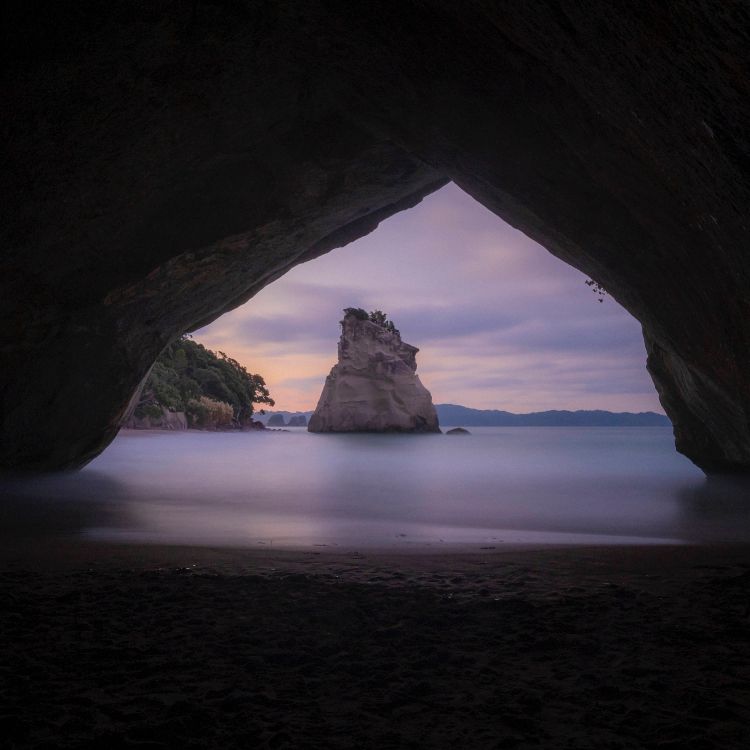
[{"x": 291, "y": 488}]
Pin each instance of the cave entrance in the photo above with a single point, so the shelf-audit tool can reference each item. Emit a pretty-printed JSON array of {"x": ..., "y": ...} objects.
[{"x": 501, "y": 324}]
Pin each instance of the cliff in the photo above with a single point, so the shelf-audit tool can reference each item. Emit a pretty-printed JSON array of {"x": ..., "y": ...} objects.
[
  {"x": 374, "y": 386},
  {"x": 157, "y": 418},
  {"x": 190, "y": 386}
]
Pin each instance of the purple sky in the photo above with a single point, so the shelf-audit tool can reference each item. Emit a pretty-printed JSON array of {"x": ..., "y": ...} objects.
[{"x": 500, "y": 322}]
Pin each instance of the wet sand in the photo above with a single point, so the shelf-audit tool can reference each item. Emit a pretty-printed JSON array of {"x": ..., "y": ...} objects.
[{"x": 108, "y": 646}]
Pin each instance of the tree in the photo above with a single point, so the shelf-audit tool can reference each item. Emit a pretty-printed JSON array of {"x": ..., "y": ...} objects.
[
  {"x": 186, "y": 372},
  {"x": 378, "y": 317},
  {"x": 390, "y": 327},
  {"x": 357, "y": 312}
]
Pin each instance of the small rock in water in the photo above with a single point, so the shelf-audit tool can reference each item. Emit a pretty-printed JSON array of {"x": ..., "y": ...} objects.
[{"x": 458, "y": 431}]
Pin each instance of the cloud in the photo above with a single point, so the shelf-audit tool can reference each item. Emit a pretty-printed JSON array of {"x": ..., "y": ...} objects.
[
  {"x": 313, "y": 381},
  {"x": 499, "y": 321}
]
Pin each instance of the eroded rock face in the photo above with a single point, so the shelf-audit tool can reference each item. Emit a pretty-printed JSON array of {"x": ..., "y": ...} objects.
[
  {"x": 168, "y": 420},
  {"x": 374, "y": 387},
  {"x": 164, "y": 162}
]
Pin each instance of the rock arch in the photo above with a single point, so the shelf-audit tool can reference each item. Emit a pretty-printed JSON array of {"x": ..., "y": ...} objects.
[{"x": 166, "y": 161}]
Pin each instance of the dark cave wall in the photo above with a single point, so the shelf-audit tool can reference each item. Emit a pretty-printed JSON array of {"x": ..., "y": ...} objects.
[{"x": 165, "y": 161}]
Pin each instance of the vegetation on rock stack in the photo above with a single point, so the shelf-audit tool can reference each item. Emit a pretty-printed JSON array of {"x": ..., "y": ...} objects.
[
  {"x": 376, "y": 316},
  {"x": 211, "y": 388}
]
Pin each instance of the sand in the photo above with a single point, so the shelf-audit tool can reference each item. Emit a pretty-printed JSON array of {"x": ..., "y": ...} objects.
[{"x": 108, "y": 646}]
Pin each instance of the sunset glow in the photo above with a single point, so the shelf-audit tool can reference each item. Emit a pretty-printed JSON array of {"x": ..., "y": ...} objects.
[{"x": 500, "y": 322}]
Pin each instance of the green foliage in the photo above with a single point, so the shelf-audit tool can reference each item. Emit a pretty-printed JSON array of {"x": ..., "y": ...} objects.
[
  {"x": 357, "y": 312},
  {"x": 188, "y": 377},
  {"x": 196, "y": 413},
  {"x": 148, "y": 410},
  {"x": 597, "y": 289},
  {"x": 206, "y": 411},
  {"x": 376, "y": 316}
]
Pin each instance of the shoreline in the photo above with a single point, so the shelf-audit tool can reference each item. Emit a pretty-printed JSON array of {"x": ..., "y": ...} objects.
[
  {"x": 460, "y": 570},
  {"x": 69, "y": 550}
]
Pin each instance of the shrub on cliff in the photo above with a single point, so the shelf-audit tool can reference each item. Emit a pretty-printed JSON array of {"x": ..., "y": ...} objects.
[
  {"x": 186, "y": 372},
  {"x": 207, "y": 412},
  {"x": 375, "y": 316},
  {"x": 357, "y": 312}
]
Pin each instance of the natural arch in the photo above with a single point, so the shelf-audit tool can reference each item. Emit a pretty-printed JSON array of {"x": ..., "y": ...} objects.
[{"x": 166, "y": 163}]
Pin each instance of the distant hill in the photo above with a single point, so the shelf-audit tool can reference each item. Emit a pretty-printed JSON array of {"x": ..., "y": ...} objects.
[
  {"x": 453, "y": 414},
  {"x": 286, "y": 414}
]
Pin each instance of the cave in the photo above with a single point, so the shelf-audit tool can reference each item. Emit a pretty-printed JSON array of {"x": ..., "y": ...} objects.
[{"x": 166, "y": 161}]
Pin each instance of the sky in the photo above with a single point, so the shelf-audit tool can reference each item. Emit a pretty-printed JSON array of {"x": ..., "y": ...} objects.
[{"x": 499, "y": 321}]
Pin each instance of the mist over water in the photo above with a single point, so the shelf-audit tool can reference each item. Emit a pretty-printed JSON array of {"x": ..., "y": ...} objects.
[{"x": 293, "y": 488}]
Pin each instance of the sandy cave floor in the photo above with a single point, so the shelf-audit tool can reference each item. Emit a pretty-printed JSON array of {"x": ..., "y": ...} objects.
[{"x": 153, "y": 647}]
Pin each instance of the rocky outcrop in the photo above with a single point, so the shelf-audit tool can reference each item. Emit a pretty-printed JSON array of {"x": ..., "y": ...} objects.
[
  {"x": 276, "y": 420},
  {"x": 166, "y": 420},
  {"x": 252, "y": 425},
  {"x": 374, "y": 387},
  {"x": 299, "y": 420},
  {"x": 162, "y": 164}
]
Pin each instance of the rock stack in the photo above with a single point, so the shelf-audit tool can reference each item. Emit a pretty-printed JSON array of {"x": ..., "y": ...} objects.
[{"x": 374, "y": 386}]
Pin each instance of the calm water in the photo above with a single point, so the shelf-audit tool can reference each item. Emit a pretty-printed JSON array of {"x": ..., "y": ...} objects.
[{"x": 495, "y": 486}]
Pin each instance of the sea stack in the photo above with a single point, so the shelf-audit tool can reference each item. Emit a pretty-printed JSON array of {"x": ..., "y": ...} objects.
[{"x": 374, "y": 386}]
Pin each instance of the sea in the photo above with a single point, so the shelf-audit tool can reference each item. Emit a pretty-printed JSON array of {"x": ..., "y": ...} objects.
[{"x": 292, "y": 489}]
